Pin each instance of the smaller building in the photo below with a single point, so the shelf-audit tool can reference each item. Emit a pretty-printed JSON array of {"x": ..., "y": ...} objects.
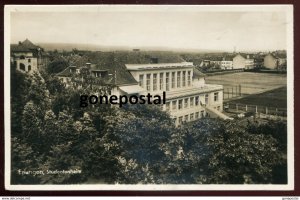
[
  {"x": 26, "y": 56},
  {"x": 243, "y": 61},
  {"x": 227, "y": 63},
  {"x": 275, "y": 62}
]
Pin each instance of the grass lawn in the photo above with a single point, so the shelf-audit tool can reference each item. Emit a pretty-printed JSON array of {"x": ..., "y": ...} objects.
[
  {"x": 274, "y": 98},
  {"x": 251, "y": 83}
]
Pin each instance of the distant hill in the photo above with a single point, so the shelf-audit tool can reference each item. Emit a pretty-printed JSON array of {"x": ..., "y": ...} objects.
[{"x": 94, "y": 47}]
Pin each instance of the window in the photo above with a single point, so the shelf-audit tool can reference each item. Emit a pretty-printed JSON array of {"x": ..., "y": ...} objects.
[
  {"x": 167, "y": 81},
  {"x": 168, "y": 106},
  {"x": 180, "y": 120},
  {"x": 186, "y": 118},
  {"x": 148, "y": 82},
  {"x": 192, "y": 102},
  {"x": 173, "y": 80},
  {"x": 206, "y": 99},
  {"x": 196, "y": 101},
  {"x": 197, "y": 115},
  {"x": 189, "y": 78},
  {"x": 192, "y": 116},
  {"x": 178, "y": 79},
  {"x": 186, "y": 102},
  {"x": 154, "y": 82},
  {"x": 180, "y": 104},
  {"x": 183, "y": 79},
  {"x": 174, "y": 105},
  {"x": 216, "y": 96},
  {"x": 29, "y": 60},
  {"x": 29, "y": 67},
  {"x": 22, "y": 66},
  {"x": 161, "y": 76},
  {"x": 202, "y": 113},
  {"x": 174, "y": 120},
  {"x": 141, "y": 83}
]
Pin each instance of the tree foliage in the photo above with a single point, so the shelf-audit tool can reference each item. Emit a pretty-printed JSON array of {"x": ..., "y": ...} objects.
[{"x": 135, "y": 143}]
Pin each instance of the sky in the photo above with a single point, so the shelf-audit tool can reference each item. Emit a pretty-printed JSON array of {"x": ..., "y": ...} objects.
[{"x": 199, "y": 29}]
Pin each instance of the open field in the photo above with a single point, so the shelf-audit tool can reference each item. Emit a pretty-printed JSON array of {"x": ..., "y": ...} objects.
[
  {"x": 251, "y": 82},
  {"x": 276, "y": 98}
]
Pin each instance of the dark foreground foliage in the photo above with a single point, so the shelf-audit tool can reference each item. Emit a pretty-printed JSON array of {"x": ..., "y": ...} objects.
[{"x": 135, "y": 144}]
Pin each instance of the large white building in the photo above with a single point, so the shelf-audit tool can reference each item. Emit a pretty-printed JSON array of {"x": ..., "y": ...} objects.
[{"x": 188, "y": 97}]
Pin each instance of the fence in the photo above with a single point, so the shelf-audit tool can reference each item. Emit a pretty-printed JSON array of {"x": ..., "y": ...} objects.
[
  {"x": 231, "y": 92},
  {"x": 256, "y": 109}
]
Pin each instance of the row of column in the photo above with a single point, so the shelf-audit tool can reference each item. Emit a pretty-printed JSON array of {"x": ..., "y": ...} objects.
[{"x": 169, "y": 80}]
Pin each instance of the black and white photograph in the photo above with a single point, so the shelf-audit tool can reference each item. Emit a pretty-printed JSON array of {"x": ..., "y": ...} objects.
[{"x": 149, "y": 97}]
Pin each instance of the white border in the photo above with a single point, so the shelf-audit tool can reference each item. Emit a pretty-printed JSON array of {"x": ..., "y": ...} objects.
[{"x": 142, "y": 8}]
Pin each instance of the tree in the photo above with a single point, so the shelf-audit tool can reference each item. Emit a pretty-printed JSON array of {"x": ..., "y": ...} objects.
[
  {"x": 20, "y": 86},
  {"x": 23, "y": 160},
  {"x": 218, "y": 152},
  {"x": 140, "y": 143},
  {"x": 56, "y": 66}
]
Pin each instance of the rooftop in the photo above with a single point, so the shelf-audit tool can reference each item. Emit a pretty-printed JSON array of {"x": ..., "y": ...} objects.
[
  {"x": 158, "y": 66},
  {"x": 25, "y": 46},
  {"x": 193, "y": 90}
]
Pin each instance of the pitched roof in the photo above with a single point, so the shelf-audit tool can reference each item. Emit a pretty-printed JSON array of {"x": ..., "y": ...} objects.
[
  {"x": 19, "y": 48},
  {"x": 28, "y": 44},
  {"x": 228, "y": 58},
  {"x": 245, "y": 55},
  {"x": 216, "y": 58},
  {"x": 197, "y": 73},
  {"x": 283, "y": 56},
  {"x": 115, "y": 62},
  {"x": 25, "y": 46},
  {"x": 65, "y": 73}
]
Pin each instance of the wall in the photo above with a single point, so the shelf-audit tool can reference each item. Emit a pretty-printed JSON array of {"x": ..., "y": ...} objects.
[
  {"x": 270, "y": 62},
  {"x": 26, "y": 63},
  {"x": 239, "y": 62}
]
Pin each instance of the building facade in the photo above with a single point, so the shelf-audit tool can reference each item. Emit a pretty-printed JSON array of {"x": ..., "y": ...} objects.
[
  {"x": 270, "y": 61},
  {"x": 226, "y": 63},
  {"x": 26, "y": 57},
  {"x": 187, "y": 95}
]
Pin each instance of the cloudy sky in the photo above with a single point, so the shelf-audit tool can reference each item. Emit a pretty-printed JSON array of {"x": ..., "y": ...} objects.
[{"x": 171, "y": 27}]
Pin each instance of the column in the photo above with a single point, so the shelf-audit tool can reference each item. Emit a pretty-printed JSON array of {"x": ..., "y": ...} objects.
[
  {"x": 176, "y": 79},
  {"x": 151, "y": 82}
]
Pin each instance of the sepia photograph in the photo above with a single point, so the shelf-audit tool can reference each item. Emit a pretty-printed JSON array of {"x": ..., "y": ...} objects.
[{"x": 124, "y": 97}]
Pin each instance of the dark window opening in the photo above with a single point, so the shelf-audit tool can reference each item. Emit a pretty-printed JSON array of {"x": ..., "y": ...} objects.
[{"x": 22, "y": 66}]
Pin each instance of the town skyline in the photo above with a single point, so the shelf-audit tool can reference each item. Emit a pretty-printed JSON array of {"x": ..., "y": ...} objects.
[{"x": 156, "y": 28}]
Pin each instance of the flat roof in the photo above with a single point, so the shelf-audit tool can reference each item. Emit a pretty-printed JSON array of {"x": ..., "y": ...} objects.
[{"x": 158, "y": 66}]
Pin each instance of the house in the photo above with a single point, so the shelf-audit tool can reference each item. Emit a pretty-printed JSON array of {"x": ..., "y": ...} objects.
[
  {"x": 26, "y": 56},
  {"x": 227, "y": 63},
  {"x": 188, "y": 97},
  {"x": 216, "y": 61},
  {"x": 205, "y": 63},
  {"x": 275, "y": 61},
  {"x": 249, "y": 62},
  {"x": 243, "y": 61},
  {"x": 258, "y": 62}
]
